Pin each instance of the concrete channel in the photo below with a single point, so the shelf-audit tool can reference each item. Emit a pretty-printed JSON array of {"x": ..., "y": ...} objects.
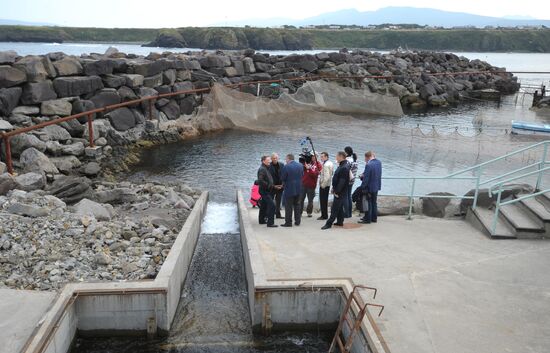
[{"x": 148, "y": 308}]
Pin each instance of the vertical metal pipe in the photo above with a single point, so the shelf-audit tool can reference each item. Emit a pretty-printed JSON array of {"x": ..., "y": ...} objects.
[
  {"x": 494, "y": 227},
  {"x": 542, "y": 165},
  {"x": 258, "y": 90},
  {"x": 150, "y": 109},
  {"x": 9, "y": 163},
  {"x": 476, "y": 193},
  {"x": 411, "y": 199},
  {"x": 91, "y": 130}
]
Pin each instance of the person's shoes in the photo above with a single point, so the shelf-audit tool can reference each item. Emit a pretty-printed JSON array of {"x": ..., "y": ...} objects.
[
  {"x": 362, "y": 221},
  {"x": 309, "y": 215},
  {"x": 286, "y": 225},
  {"x": 325, "y": 227},
  {"x": 297, "y": 224},
  {"x": 272, "y": 226},
  {"x": 338, "y": 224},
  {"x": 280, "y": 217},
  {"x": 322, "y": 218},
  {"x": 374, "y": 221}
]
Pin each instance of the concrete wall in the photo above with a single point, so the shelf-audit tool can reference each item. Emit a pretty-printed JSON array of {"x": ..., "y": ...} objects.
[{"x": 120, "y": 307}]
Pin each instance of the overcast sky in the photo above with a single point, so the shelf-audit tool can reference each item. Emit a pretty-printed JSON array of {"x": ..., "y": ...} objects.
[{"x": 180, "y": 13}]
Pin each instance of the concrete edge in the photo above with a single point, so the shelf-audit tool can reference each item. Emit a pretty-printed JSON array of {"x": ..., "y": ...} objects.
[
  {"x": 56, "y": 330},
  {"x": 257, "y": 280}
]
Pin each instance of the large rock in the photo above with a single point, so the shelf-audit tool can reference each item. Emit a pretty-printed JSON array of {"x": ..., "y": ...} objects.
[
  {"x": 122, "y": 119},
  {"x": 101, "y": 212},
  {"x": 56, "y": 133},
  {"x": 37, "y": 92},
  {"x": 113, "y": 81},
  {"x": 68, "y": 66},
  {"x": 61, "y": 107},
  {"x": 91, "y": 169},
  {"x": 105, "y": 97},
  {"x": 34, "y": 67},
  {"x": 32, "y": 160},
  {"x": 7, "y": 57},
  {"x": 8, "y": 99},
  {"x": 74, "y": 127},
  {"x": 21, "y": 142},
  {"x": 249, "y": 67},
  {"x": 22, "y": 209},
  {"x": 10, "y": 76},
  {"x": 74, "y": 149},
  {"x": 116, "y": 196},
  {"x": 31, "y": 181},
  {"x": 211, "y": 61},
  {"x": 77, "y": 85},
  {"x": 66, "y": 164},
  {"x": 153, "y": 81},
  {"x": 82, "y": 105},
  {"x": 7, "y": 183},
  {"x": 26, "y": 110},
  {"x": 99, "y": 67},
  {"x": 172, "y": 110},
  {"x": 126, "y": 94},
  {"x": 435, "y": 207},
  {"x": 150, "y": 68},
  {"x": 393, "y": 206},
  {"x": 169, "y": 77},
  {"x": 5, "y": 125},
  {"x": 71, "y": 189},
  {"x": 133, "y": 80}
]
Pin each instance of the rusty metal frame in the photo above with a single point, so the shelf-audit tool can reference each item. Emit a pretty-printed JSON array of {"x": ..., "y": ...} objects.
[{"x": 5, "y": 136}]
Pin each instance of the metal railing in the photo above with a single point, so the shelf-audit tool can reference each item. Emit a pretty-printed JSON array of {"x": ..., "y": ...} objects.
[
  {"x": 89, "y": 115},
  {"x": 477, "y": 171}
]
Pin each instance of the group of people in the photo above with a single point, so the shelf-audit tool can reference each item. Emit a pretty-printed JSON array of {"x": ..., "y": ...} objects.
[{"x": 288, "y": 185}]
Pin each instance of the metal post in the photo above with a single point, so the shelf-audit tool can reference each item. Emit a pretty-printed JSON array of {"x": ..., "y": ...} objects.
[
  {"x": 258, "y": 90},
  {"x": 411, "y": 199},
  {"x": 476, "y": 194},
  {"x": 150, "y": 109},
  {"x": 542, "y": 165},
  {"x": 9, "y": 163},
  {"x": 494, "y": 227},
  {"x": 91, "y": 130}
]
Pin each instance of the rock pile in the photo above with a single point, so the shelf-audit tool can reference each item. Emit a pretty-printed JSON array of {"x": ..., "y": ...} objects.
[{"x": 119, "y": 231}]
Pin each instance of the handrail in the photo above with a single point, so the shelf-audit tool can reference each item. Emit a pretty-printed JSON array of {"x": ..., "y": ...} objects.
[
  {"x": 510, "y": 173},
  {"x": 5, "y": 136},
  {"x": 501, "y": 183}
]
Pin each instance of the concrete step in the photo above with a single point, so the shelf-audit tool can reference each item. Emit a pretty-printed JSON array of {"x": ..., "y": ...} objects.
[
  {"x": 485, "y": 218},
  {"x": 537, "y": 207},
  {"x": 545, "y": 199},
  {"x": 521, "y": 219}
]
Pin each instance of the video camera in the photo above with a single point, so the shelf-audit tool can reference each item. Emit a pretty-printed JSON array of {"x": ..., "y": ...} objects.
[{"x": 307, "y": 154}]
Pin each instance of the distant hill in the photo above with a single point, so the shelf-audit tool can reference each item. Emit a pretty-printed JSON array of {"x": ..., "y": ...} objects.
[
  {"x": 409, "y": 15},
  {"x": 5, "y": 22}
]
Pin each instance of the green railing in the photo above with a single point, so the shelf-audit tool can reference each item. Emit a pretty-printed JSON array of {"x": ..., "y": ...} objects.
[{"x": 477, "y": 176}]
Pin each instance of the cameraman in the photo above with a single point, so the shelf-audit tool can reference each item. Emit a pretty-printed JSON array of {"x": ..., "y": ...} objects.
[{"x": 312, "y": 169}]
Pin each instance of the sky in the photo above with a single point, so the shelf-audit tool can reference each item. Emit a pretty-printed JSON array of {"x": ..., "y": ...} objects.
[{"x": 181, "y": 13}]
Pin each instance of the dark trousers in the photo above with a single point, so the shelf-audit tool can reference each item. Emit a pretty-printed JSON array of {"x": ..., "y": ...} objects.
[
  {"x": 293, "y": 205},
  {"x": 277, "y": 197},
  {"x": 323, "y": 201},
  {"x": 348, "y": 205},
  {"x": 267, "y": 210},
  {"x": 310, "y": 193},
  {"x": 372, "y": 214},
  {"x": 337, "y": 210}
]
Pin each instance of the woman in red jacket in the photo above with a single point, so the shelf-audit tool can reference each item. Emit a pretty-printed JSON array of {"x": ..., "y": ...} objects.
[{"x": 309, "y": 183}]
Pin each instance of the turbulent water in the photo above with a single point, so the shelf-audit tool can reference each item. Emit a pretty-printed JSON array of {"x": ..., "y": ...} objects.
[{"x": 213, "y": 314}]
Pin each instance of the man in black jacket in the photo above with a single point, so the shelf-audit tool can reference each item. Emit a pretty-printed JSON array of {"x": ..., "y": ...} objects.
[
  {"x": 340, "y": 185},
  {"x": 275, "y": 168},
  {"x": 267, "y": 206}
]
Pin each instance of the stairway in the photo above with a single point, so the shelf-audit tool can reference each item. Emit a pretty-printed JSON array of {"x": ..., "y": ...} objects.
[{"x": 526, "y": 219}]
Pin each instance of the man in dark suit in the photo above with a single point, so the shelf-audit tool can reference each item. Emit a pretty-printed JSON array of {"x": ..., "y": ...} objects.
[
  {"x": 275, "y": 169},
  {"x": 267, "y": 206},
  {"x": 291, "y": 175},
  {"x": 340, "y": 185},
  {"x": 371, "y": 184}
]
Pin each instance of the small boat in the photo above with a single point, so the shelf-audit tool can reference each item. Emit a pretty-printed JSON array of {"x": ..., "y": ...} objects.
[{"x": 528, "y": 128}]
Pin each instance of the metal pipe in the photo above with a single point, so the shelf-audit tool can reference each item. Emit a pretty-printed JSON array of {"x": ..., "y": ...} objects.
[
  {"x": 541, "y": 167},
  {"x": 411, "y": 199},
  {"x": 518, "y": 177},
  {"x": 494, "y": 227},
  {"x": 9, "y": 162},
  {"x": 476, "y": 194},
  {"x": 510, "y": 173},
  {"x": 91, "y": 130}
]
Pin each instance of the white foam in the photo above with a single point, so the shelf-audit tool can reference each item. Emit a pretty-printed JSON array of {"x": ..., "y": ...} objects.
[{"x": 220, "y": 218}]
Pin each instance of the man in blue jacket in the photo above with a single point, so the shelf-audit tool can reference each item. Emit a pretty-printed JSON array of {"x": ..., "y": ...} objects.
[
  {"x": 340, "y": 185},
  {"x": 291, "y": 175},
  {"x": 371, "y": 184}
]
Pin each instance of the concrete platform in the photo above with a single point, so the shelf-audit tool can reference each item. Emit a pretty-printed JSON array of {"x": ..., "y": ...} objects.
[
  {"x": 21, "y": 312},
  {"x": 446, "y": 287}
]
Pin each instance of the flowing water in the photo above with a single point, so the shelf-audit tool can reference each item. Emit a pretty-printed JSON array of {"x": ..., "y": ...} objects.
[{"x": 213, "y": 314}]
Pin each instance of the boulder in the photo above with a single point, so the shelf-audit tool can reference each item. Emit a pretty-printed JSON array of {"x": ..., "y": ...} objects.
[
  {"x": 37, "y": 92},
  {"x": 33, "y": 67},
  {"x": 22, "y": 209},
  {"x": 427, "y": 91},
  {"x": 101, "y": 212},
  {"x": 56, "y": 133},
  {"x": 7, "y": 183},
  {"x": 68, "y": 66},
  {"x": 263, "y": 67},
  {"x": 66, "y": 164},
  {"x": 74, "y": 149},
  {"x": 122, "y": 119},
  {"x": 435, "y": 207},
  {"x": 169, "y": 77},
  {"x": 71, "y": 189},
  {"x": 172, "y": 110},
  {"x": 5, "y": 125},
  {"x": 10, "y": 76},
  {"x": 32, "y": 160},
  {"x": 149, "y": 68},
  {"x": 26, "y": 110},
  {"x": 113, "y": 81},
  {"x": 75, "y": 128},
  {"x": 21, "y": 142},
  {"x": 133, "y": 80},
  {"x": 8, "y": 57},
  {"x": 187, "y": 105},
  {"x": 105, "y": 97},
  {"x": 211, "y": 61},
  {"x": 3, "y": 168},
  {"x": 182, "y": 86},
  {"x": 81, "y": 105},
  {"x": 9, "y": 97},
  {"x": 77, "y": 85},
  {"x": 394, "y": 206},
  {"x": 248, "y": 65},
  {"x": 116, "y": 196},
  {"x": 91, "y": 169},
  {"x": 126, "y": 94},
  {"x": 31, "y": 181},
  {"x": 99, "y": 67},
  {"x": 61, "y": 107},
  {"x": 183, "y": 75},
  {"x": 153, "y": 81}
]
